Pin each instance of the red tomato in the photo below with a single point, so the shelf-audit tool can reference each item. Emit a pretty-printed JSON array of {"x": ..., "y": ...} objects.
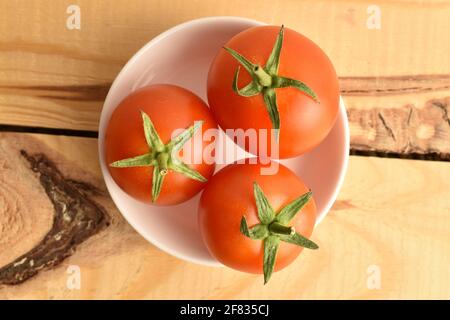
[
  {"x": 304, "y": 122},
  {"x": 229, "y": 196},
  {"x": 169, "y": 108}
]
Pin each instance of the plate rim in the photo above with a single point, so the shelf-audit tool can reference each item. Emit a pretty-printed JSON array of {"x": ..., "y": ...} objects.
[{"x": 212, "y": 262}]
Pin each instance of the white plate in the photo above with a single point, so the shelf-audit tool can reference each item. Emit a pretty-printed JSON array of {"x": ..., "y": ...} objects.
[{"x": 182, "y": 56}]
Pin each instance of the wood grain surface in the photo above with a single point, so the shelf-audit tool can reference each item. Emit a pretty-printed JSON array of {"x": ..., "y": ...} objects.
[
  {"x": 54, "y": 77},
  {"x": 392, "y": 215},
  {"x": 382, "y": 218}
]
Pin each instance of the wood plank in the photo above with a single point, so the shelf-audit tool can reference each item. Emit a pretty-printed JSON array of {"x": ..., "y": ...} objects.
[
  {"x": 402, "y": 228},
  {"x": 418, "y": 129},
  {"x": 396, "y": 88}
]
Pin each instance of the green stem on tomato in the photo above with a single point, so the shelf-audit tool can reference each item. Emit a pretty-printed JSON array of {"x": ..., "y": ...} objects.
[
  {"x": 273, "y": 227},
  {"x": 266, "y": 80},
  {"x": 263, "y": 77},
  {"x": 162, "y": 157},
  {"x": 279, "y": 229}
]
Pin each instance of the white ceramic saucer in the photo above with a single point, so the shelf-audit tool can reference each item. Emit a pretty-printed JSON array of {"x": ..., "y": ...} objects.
[{"x": 182, "y": 56}]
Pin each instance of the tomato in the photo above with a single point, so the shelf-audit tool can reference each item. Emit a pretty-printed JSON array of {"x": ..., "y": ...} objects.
[
  {"x": 149, "y": 168},
  {"x": 294, "y": 89},
  {"x": 230, "y": 198}
]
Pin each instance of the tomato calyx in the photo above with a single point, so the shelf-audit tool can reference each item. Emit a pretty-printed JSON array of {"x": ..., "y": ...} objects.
[
  {"x": 266, "y": 80},
  {"x": 273, "y": 227},
  {"x": 163, "y": 157}
]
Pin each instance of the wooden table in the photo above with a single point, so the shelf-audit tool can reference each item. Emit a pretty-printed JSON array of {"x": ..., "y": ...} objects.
[{"x": 387, "y": 236}]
